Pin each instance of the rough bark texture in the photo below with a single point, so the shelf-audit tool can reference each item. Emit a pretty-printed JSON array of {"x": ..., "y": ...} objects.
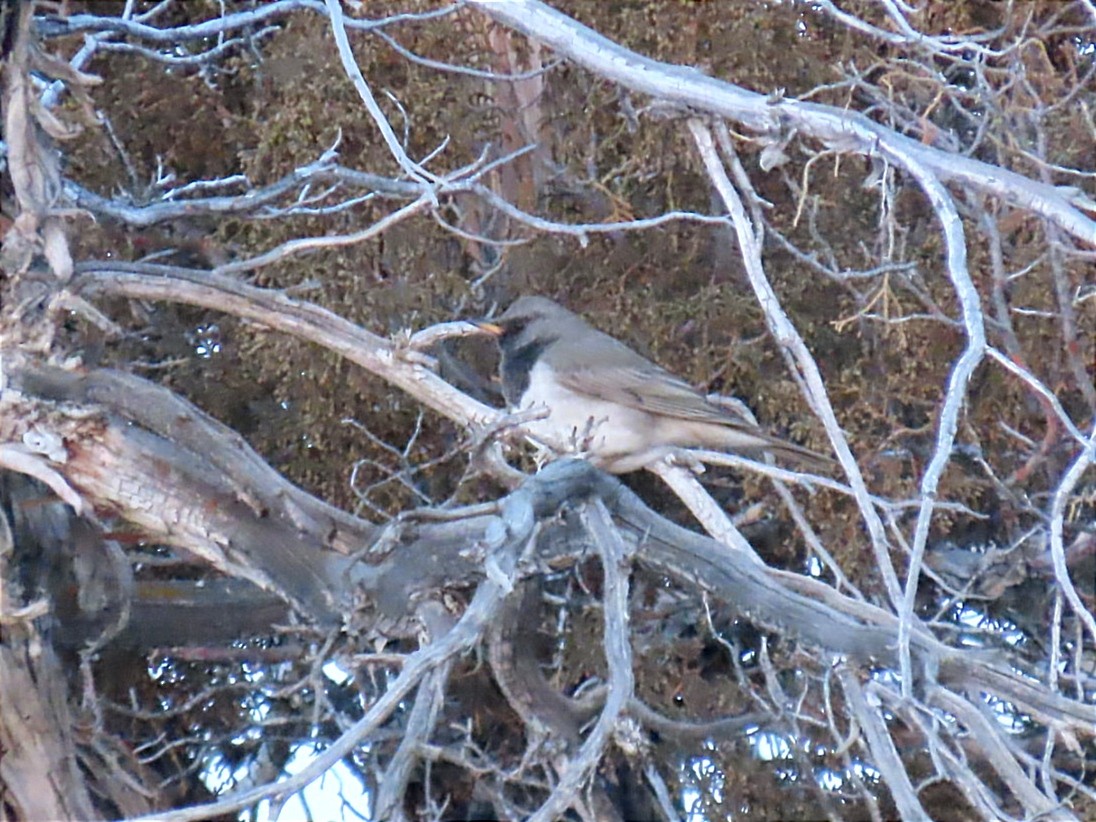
[{"x": 264, "y": 521}]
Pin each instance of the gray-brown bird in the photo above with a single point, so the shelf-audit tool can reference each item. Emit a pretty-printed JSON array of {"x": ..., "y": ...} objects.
[{"x": 607, "y": 401}]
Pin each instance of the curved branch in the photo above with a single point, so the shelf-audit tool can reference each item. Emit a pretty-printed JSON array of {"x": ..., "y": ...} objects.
[{"x": 837, "y": 128}]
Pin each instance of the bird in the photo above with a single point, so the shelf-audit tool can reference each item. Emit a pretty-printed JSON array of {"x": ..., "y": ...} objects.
[{"x": 608, "y": 402}]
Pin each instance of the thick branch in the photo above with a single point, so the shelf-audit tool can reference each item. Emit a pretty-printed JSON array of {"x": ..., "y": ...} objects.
[{"x": 137, "y": 450}]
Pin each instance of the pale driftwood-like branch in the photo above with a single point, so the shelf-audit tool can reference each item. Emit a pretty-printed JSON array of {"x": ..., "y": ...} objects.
[
  {"x": 505, "y": 539},
  {"x": 1036, "y": 385},
  {"x": 304, "y": 320},
  {"x": 139, "y": 28},
  {"x": 838, "y": 128},
  {"x": 143, "y": 453},
  {"x": 881, "y": 745},
  {"x": 1085, "y": 460},
  {"x": 33, "y": 164},
  {"x": 350, "y": 66},
  {"x": 618, "y": 657},
  {"x": 41, "y": 774},
  {"x": 908, "y": 36},
  {"x": 688, "y": 489},
  {"x": 376, "y": 353},
  {"x": 169, "y": 206},
  {"x": 955, "y": 394},
  {"x": 304, "y": 245},
  {"x": 420, "y": 724},
  {"x": 201, "y": 58},
  {"x": 814, "y": 481},
  {"x": 464, "y": 635},
  {"x": 987, "y": 737},
  {"x": 787, "y": 335},
  {"x": 137, "y": 449},
  {"x": 23, "y": 460}
]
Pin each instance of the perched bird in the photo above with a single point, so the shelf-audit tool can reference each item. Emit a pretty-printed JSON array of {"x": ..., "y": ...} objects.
[{"x": 605, "y": 400}]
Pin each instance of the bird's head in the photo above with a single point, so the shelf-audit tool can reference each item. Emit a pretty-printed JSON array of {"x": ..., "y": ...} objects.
[{"x": 531, "y": 320}]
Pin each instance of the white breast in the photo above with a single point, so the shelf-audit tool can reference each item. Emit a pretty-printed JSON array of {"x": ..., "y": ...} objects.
[{"x": 582, "y": 424}]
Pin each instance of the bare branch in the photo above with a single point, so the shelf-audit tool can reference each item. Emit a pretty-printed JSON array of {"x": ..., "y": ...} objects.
[
  {"x": 787, "y": 336},
  {"x": 840, "y": 129}
]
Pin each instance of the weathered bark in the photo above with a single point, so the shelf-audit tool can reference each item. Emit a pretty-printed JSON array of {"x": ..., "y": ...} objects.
[
  {"x": 188, "y": 481},
  {"x": 400, "y": 609},
  {"x": 39, "y": 769},
  {"x": 54, "y": 746}
]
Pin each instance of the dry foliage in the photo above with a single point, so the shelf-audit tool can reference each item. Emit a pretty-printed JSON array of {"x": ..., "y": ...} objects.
[{"x": 264, "y": 521}]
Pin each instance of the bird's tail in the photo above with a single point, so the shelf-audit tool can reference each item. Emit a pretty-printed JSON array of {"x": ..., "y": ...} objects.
[{"x": 799, "y": 456}]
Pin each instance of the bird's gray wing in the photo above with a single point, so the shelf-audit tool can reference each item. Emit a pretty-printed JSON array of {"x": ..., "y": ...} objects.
[
  {"x": 638, "y": 383},
  {"x": 645, "y": 386}
]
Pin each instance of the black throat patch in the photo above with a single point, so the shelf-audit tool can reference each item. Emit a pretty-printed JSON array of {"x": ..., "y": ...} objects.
[{"x": 517, "y": 362}]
